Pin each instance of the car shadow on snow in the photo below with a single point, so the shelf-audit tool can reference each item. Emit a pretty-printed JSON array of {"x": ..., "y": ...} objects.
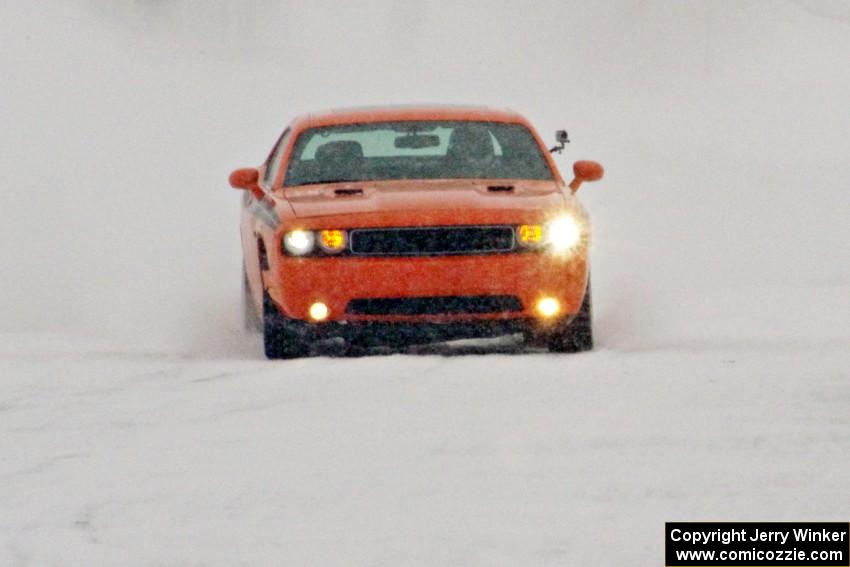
[{"x": 511, "y": 344}]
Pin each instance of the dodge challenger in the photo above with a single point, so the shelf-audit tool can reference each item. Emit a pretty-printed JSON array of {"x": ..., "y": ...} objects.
[{"x": 404, "y": 225}]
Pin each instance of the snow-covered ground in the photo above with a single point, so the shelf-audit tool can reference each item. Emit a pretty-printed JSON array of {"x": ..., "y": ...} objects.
[
  {"x": 131, "y": 458},
  {"x": 138, "y": 426}
]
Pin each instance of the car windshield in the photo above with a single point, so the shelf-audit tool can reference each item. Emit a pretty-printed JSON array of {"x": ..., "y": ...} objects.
[{"x": 416, "y": 150}]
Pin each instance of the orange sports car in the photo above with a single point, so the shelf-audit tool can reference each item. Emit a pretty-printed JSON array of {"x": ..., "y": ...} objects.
[{"x": 389, "y": 226}]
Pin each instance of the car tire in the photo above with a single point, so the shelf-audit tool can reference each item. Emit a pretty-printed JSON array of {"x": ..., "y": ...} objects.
[
  {"x": 250, "y": 319},
  {"x": 577, "y": 335},
  {"x": 280, "y": 336}
]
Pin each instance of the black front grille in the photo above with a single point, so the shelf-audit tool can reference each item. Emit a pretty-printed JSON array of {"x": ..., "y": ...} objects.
[
  {"x": 434, "y": 305},
  {"x": 431, "y": 241}
]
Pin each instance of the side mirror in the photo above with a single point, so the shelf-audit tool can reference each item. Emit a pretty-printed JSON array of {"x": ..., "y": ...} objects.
[
  {"x": 585, "y": 170},
  {"x": 245, "y": 178},
  {"x": 561, "y": 137}
]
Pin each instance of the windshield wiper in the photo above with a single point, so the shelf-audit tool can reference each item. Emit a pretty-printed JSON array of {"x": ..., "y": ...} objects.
[{"x": 322, "y": 181}]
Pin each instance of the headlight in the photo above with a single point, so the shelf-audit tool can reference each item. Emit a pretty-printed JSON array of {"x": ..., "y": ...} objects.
[
  {"x": 299, "y": 242},
  {"x": 563, "y": 234},
  {"x": 332, "y": 241},
  {"x": 559, "y": 235}
]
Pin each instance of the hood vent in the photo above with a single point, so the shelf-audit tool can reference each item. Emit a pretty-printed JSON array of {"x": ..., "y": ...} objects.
[
  {"x": 500, "y": 188},
  {"x": 347, "y": 192}
]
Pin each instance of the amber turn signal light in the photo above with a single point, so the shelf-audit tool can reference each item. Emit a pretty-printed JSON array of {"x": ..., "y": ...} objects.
[
  {"x": 529, "y": 234},
  {"x": 332, "y": 241}
]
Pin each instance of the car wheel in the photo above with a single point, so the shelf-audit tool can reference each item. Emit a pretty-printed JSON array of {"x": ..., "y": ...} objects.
[
  {"x": 280, "y": 336},
  {"x": 577, "y": 335},
  {"x": 250, "y": 319}
]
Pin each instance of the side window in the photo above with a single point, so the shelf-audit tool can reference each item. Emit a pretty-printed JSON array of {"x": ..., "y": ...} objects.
[{"x": 273, "y": 162}]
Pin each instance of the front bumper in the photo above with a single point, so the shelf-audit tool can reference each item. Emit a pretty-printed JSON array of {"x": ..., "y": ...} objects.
[{"x": 296, "y": 283}]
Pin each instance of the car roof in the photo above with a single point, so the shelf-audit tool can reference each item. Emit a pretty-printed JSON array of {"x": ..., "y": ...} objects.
[{"x": 405, "y": 112}]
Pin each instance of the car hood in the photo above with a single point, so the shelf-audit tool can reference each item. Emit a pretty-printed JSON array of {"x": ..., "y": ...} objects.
[{"x": 420, "y": 197}]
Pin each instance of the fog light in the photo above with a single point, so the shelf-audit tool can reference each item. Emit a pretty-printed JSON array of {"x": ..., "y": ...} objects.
[
  {"x": 548, "y": 307},
  {"x": 319, "y": 311}
]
